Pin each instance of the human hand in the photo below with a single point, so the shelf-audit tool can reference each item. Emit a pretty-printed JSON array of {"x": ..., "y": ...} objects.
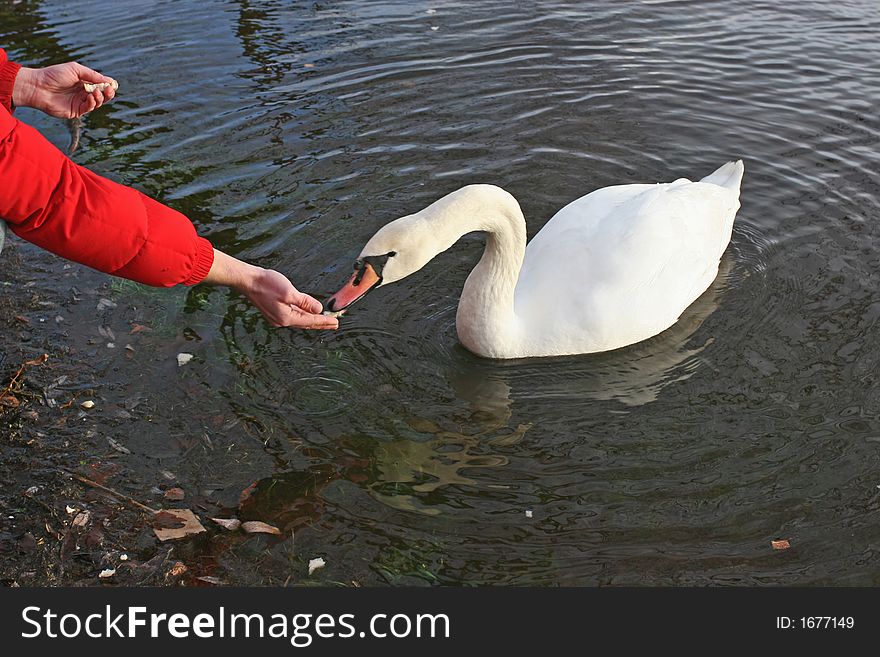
[
  {"x": 59, "y": 90},
  {"x": 283, "y": 305},
  {"x": 271, "y": 292}
]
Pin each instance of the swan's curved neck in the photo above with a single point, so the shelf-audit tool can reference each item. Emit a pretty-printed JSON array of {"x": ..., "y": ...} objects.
[{"x": 486, "y": 319}]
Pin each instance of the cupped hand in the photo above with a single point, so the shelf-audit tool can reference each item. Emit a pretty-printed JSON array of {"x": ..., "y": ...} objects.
[
  {"x": 59, "y": 90},
  {"x": 283, "y": 305}
]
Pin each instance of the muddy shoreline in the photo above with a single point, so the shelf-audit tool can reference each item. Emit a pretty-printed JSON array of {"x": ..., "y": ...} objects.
[
  {"x": 55, "y": 530},
  {"x": 69, "y": 337}
]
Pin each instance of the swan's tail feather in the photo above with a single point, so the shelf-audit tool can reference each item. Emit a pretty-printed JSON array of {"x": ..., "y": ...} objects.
[{"x": 729, "y": 176}]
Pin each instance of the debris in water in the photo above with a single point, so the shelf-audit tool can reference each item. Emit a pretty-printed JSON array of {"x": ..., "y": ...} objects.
[
  {"x": 782, "y": 544},
  {"x": 228, "y": 523},
  {"x": 183, "y": 359},
  {"x": 172, "y": 524},
  {"x": 174, "y": 494},
  {"x": 257, "y": 527},
  {"x": 119, "y": 447},
  {"x": 210, "y": 579},
  {"x": 315, "y": 564},
  {"x": 123, "y": 557},
  {"x": 528, "y": 513},
  {"x": 107, "y": 572},
  {"x": 81, "y": 519},
  {"x": 104, "y": 304},
  {"x": 178, "y": 569},
  {"x": 87, "y": 404}
]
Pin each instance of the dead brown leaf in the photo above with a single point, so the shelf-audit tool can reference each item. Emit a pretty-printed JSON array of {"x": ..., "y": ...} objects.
[
  {"x": 782, "y": 544},
  {"x": 247, "y": 492},
  {"x": 172, "y": 524},
  {"x": 174, "y": 494},
  {"x": 137, "y": 328},
  {"x": 178, "y": 569},
  {"x": 257, "y": 527},
  {"x": 228, "y": 523}
]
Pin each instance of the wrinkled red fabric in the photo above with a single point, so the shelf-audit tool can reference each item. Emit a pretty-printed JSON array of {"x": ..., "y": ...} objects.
[{"x": 64, "y": 208}]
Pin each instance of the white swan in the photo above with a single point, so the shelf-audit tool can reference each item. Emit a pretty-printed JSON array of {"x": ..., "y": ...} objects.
[{"x": 610, "y": 269}]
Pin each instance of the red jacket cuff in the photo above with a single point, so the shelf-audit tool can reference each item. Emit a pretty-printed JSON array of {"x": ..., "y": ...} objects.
[
  {"x": 8, "y": 71},
  {"x": 204, "y": 260}
]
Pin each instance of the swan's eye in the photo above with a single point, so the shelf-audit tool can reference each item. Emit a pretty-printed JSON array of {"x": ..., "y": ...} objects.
[{"x": 376, "y": 262}]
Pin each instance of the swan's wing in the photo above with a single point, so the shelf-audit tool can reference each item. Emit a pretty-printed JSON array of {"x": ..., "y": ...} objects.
[{"x": 621, "y": 264}]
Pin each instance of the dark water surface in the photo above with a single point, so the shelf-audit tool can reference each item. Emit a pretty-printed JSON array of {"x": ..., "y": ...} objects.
[{"x": 291, "y": 131}]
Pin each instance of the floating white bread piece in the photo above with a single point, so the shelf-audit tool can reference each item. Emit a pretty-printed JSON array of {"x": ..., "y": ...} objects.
[
  {"x": 334, "y": 313},
  {"x": 100, "y": 86}
]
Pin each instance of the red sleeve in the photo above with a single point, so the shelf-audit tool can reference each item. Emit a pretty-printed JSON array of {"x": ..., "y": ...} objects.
[
  {"x": 8, "y": 71},
  {"x": 49, "y": 200}
]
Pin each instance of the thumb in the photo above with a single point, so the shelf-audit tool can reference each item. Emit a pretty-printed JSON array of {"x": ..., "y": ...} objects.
[{"x": 88, "y": 75}]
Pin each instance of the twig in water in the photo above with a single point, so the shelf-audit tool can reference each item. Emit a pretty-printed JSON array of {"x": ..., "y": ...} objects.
[
  {"x": 121, "y": 496},
  {"x": 36, "y": 361}
]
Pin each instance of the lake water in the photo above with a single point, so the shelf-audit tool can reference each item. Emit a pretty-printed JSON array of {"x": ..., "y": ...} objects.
[{"x": 290, "y": 132}]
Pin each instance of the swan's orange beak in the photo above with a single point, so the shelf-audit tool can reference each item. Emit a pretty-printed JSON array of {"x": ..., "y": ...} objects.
[{"x": 362, "y": 281}]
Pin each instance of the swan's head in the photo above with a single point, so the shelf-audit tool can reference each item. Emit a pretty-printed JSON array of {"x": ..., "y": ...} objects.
[{"x": 400, "y": 248}]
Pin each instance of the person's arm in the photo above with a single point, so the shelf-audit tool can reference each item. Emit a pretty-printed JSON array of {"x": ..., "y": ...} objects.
[
  {"x": 8, "y": 73},
  {"x": 64, "y": 208}
]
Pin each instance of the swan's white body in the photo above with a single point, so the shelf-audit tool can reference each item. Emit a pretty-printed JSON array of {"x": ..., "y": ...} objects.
[{"x": 612, "y": 268}]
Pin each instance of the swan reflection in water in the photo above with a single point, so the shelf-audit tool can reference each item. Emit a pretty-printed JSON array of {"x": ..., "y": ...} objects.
[{"x": 410, "y": 474}]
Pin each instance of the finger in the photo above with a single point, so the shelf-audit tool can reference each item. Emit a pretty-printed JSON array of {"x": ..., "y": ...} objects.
[
  {"x": 98, "y": 97},
  {"x": 89, "y": 75},
  {"x": 308, "y": 303},
  {"x": 86, "y": 105},
  {"x": 306, "y": 321}
]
